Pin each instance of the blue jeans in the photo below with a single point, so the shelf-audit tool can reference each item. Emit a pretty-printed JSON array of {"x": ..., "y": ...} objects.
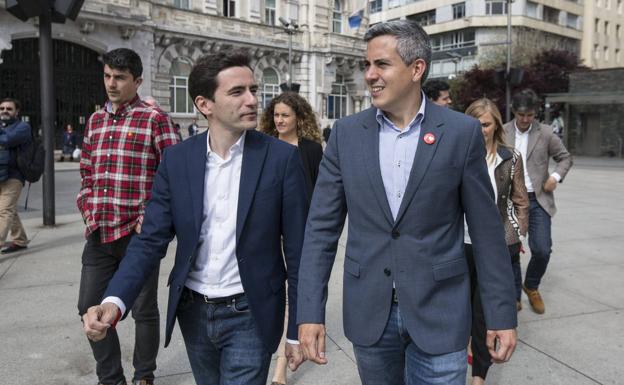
[
  {"x": 540, "y": 244},
  {"x": 396, "y": 360},
  {"x": 222, "y": 342}
]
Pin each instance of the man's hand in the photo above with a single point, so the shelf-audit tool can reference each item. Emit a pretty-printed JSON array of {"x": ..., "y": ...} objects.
[
  {"x": 312, "y": 339},
  {"x": 550, "y": 185},
  {"x": 98, "y": 319},
  {"x": 506, "y": 344},
  {"x": 137, "y": 228},
  {"x": 294, "y": 355}
]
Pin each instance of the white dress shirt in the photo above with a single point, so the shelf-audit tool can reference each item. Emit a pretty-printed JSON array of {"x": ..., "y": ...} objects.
[{"x": 215, "y": 273}]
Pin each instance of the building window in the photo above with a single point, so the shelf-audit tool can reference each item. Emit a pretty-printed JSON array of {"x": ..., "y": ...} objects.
[
  {"x": 596, "y": 52},
  {"x": 424, "y": 18},
  {"x": 572, "y": 21},
  {"x": 337, "y": 100},
  {"x": 374, "y": 6},
  {"x": 494, "y": 7},
  {"x": 618, "y": 31},
  {"x": 606, "y": 53},
  {"x": 269, "y": 12},
  {"x": 270, "y": 86},
  {"x": 180, "y": 100},
  {"x": 606, "y": 29},
  {"x": 182, "y": 4},
  {"x": 608, "y": 4},
  {"x": 229, "y": 8},
  {"x": 617, "y": 55},
  {"x": 619, "y": 6},
  {"x": 531, "y": 9},
  {"x": 597, "y": 25},
  {"x": 459, "y": 10},
  {"x": 551, "y": 15},
  {"x": 453, "y": 40},
  {"x": 337, "y": 17}
]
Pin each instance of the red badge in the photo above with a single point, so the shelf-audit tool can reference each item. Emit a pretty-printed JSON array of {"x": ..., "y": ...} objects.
[{"x": 429, "y": 138}]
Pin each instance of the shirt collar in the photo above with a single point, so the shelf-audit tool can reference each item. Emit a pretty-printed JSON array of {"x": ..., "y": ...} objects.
[
  {"x": 420, "y": 116},
  {"x": 520, "y": 132},
  {"x": 123, "y": 108},
  {"x": 235, "y": 149}
]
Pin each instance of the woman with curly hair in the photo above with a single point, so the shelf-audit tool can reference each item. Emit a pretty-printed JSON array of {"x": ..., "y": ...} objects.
[
  {"x": 507, "y": 178},
  {"x": 290, "y": 118}
]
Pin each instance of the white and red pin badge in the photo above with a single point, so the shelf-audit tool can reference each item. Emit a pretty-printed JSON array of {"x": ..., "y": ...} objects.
[{"x": 429, "y": 138}]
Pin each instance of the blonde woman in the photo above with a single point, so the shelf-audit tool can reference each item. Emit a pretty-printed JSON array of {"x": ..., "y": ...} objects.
[
  {"x": 290, "y": 118},
  {"x": 507, "y": 176}
]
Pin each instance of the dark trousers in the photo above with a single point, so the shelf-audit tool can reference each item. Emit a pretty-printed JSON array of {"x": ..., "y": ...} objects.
[
  {"x": 540, "y": 243},
  {"x": 481, "y": 359},
  {"x": 100, "y": 261}
]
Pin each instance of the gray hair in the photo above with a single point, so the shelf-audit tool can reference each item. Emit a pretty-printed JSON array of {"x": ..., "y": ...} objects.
[{"x": 412, "y": 40}]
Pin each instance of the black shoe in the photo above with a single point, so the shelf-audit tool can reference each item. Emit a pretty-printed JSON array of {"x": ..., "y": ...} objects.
[{"x": 13, "y": 247}]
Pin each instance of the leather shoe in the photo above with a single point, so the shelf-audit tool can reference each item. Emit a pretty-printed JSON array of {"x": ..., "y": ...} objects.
[
  {"x": 144, "y": 382},
  {"x": 13, "y": 247},
  {"x": 535, "y": 299}
]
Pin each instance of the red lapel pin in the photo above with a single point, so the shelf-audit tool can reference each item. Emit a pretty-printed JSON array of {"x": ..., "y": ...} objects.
[{"x": 429, "y": 138}]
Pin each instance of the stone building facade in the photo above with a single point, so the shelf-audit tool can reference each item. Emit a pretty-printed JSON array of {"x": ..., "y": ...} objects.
[{"x": 170, "y": 35}]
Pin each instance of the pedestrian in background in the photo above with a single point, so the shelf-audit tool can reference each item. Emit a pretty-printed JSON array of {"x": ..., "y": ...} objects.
[
  {"x": 507, "y": 177},
  {"x": 69, "y": 142},
  {"x": 13, "y": 134},
  {"x": 122, "y": 147},
  {"x": 290, "y": 118},
  {"x": 438, "y": 91},
  {"x": 537, "y": 144}
]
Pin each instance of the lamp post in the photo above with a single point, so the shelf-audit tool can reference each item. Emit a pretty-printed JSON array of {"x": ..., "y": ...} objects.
[
  {"x": 455, "y": 58},
  {"x": 508, "y": 69},
  {"x": 290, "y": 27}
]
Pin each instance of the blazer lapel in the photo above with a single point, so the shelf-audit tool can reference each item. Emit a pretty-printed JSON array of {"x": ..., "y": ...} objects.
[
  {"x": 254, "y": 154},
  {"x": 424, "y": 154},
  {"x": 534, "y": 135},
  {"x": 371, "y": 140},
  {"x": 196, "y": 169}
]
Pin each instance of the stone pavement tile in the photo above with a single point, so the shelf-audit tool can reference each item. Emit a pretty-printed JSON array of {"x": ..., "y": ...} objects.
[
  {"x": 587, "y": 253},
  {"x": 592, "y": 344},
  {"x": 603, "y": 284},
  {"x": 529, "y": 366}
]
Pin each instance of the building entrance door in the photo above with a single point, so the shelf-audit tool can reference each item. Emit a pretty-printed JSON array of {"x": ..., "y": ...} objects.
[{"x": 78, "y": 83}]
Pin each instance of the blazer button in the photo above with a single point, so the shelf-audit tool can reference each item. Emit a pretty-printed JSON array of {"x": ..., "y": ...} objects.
[
  {"x": 387, "y": 272},
  {"x": 395, "y": 234}
]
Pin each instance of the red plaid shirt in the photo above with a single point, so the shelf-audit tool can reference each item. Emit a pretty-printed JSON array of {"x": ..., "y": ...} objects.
[{"x": 120, "y": 154}]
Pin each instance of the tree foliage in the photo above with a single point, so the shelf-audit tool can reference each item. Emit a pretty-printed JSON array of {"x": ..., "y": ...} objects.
[{"x": 547, "y": 72}]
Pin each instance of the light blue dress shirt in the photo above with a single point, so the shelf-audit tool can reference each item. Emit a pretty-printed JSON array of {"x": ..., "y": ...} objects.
[{"x": 396, "y": 155}]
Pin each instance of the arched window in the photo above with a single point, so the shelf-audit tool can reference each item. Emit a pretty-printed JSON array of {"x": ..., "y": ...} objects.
[
  {"x": 337, "y": 99},
  {"x": 337, "y": 17},
  {"x": 180, "y": 100},
  {"x": 270, "y": 86}
]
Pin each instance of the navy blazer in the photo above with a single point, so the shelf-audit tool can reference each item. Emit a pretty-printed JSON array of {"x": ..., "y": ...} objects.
[
  {"x": 272, "y": 209},
  {"x": 421, "y": 251}
]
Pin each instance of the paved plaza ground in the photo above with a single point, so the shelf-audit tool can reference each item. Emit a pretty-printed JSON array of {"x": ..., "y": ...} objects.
[{"x": 578, "y": 341}]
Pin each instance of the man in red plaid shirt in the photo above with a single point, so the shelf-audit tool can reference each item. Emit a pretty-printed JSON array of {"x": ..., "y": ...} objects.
[{"x": 122, "y": 147}]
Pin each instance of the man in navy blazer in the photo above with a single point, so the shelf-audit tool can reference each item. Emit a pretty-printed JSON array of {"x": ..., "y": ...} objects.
[
  {"x": 407, "y": 172},
  {"x": 234, "y": 198}
]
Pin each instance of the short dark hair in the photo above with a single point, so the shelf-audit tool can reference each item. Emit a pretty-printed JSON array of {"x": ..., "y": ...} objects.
[
  {"x": 203, "y": 78},
  {"x": 525, "y": 100},
  {"x": 433, "y": 88},
  {"x": 412, "y": 40},
  {"x": 15, "y": 102},
  {"x": 124, "y": 59}
]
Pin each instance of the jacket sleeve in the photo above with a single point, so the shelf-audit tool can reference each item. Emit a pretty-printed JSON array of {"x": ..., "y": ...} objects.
[
  {"x": 519, "y": 196},
  {"x": 561, "y": 156},
  {"x": 15, "y": 136}
]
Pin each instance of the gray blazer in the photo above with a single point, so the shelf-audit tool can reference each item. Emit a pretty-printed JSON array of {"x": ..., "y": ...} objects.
[
  {"x": 421, "y": 252},
  {"x": 543, "y": 145}
]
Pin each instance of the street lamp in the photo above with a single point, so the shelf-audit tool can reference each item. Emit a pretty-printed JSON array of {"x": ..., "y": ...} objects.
[
  {"x": 455, "y": 58},
  {"x": 508, "y": 69},
  {"x": 290, "y": 27}
]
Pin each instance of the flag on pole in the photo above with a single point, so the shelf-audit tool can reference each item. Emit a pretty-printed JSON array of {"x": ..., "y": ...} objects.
[{"x": 355, "y": 19}]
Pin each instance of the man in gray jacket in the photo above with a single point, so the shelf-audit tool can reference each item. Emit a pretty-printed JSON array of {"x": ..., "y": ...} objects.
[{"x": 537, "y": 144}]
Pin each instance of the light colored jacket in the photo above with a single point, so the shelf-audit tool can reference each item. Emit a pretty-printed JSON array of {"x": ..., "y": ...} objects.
[{"x": 543, "y": 145}]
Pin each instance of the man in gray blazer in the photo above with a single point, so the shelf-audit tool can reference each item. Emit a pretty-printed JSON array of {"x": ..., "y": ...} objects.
[
  {"x": 537, "y": 144},
  {"x": 406, "y": 171}
]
